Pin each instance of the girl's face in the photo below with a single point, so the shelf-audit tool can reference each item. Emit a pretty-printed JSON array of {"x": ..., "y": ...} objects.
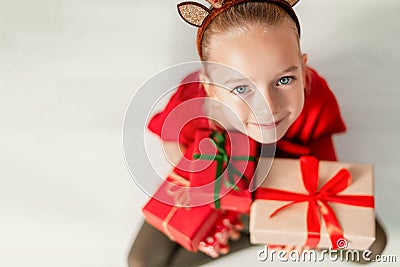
[{"x": 266, "y": 93}]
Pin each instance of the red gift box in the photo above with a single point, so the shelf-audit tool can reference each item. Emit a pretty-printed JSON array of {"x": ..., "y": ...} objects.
[
  {"x": 168, "y": 211},
  {"x": 222, "y": 167}
]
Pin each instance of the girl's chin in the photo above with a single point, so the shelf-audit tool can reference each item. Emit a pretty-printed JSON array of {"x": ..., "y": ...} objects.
[
  {"x": 263, "y": 138},
  {"x": 263, "y": 135},
  {"x": 266, "y": 137}
]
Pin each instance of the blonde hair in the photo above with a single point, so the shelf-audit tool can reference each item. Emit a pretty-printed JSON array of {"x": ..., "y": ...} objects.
[{"x": 241, "y": 18}]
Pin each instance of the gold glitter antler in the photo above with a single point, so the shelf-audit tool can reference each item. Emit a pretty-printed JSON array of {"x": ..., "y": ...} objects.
[
  {"x": 292, "y": 2},
  {"x": 193, "y": 13}
]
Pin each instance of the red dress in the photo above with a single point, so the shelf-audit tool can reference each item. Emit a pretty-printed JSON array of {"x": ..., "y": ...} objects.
[{"x": 310, "y": 134}]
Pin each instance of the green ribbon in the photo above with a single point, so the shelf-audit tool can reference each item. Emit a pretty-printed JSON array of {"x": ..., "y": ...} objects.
[{"x": 222, "y": 157}]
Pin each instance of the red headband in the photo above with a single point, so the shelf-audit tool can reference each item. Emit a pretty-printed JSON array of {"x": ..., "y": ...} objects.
[{"x": 200, "y": 16}]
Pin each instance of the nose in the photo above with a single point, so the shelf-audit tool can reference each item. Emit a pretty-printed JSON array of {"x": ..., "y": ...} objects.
[{"x": 265, "y": 101}]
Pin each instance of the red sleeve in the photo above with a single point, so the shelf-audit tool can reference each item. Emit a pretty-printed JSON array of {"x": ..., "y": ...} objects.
[
  {"x": 318, "y": 121},
  {"x": 178, "y": 121}
]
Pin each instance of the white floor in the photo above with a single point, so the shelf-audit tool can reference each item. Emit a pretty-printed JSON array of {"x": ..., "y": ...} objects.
[{"x": 68, "y": 70}]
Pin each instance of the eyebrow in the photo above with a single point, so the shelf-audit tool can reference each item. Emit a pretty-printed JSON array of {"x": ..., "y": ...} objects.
[
  {"x": 236, "y": 80},
  {"x": 290, "y": 69}
]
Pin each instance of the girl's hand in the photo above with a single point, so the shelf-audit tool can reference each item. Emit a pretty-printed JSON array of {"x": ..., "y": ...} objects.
[
  {"x": 227, "y": 227},
  {"x": 288, "y": 248}
]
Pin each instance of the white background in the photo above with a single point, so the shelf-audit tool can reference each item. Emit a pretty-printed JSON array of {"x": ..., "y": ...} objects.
[{"x": 68, "y": 69}]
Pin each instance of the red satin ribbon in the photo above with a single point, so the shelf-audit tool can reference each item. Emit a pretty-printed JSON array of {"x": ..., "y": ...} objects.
[{"x": 318, "y": 200}]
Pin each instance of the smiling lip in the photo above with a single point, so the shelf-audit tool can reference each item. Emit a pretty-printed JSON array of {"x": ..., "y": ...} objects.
[{"x": 269, "y": 125}]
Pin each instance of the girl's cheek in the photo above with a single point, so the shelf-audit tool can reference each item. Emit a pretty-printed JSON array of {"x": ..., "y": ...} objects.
[
  {"x": 297, "y": 102},
  {"x": 293, "y": 98}
]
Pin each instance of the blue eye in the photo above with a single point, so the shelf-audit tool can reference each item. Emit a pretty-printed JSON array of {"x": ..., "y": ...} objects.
[
  {"x": 240, "y": 89},
  {"x": 285, "y": 80}
]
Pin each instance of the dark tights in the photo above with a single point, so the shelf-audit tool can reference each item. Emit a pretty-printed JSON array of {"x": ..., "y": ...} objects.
[{"x": 153, "y": 249}]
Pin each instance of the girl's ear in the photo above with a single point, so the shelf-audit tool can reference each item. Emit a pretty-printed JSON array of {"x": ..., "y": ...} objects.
[
  {"x": 304, "y": 59},
  {"x": 193, "y": 13},
  {"x": 292, "y": 2},
  {"x": 305, "y": 70}
]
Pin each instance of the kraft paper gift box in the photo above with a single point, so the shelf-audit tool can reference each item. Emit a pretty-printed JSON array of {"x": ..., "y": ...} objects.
[
  {"x": 231, "y": 156},
  {"x": 300, "y": 198},
  {"x": 168, "y": 211}
]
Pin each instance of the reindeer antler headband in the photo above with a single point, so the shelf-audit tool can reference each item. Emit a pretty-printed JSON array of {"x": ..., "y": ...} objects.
[{"x": 200, "y": 16}]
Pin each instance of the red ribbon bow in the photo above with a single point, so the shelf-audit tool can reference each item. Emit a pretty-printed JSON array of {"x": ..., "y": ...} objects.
[{"x": 318, "y": 200}]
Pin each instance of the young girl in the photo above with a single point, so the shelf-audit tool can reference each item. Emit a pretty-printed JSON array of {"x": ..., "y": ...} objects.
[{"x": 278, "y": 100}]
